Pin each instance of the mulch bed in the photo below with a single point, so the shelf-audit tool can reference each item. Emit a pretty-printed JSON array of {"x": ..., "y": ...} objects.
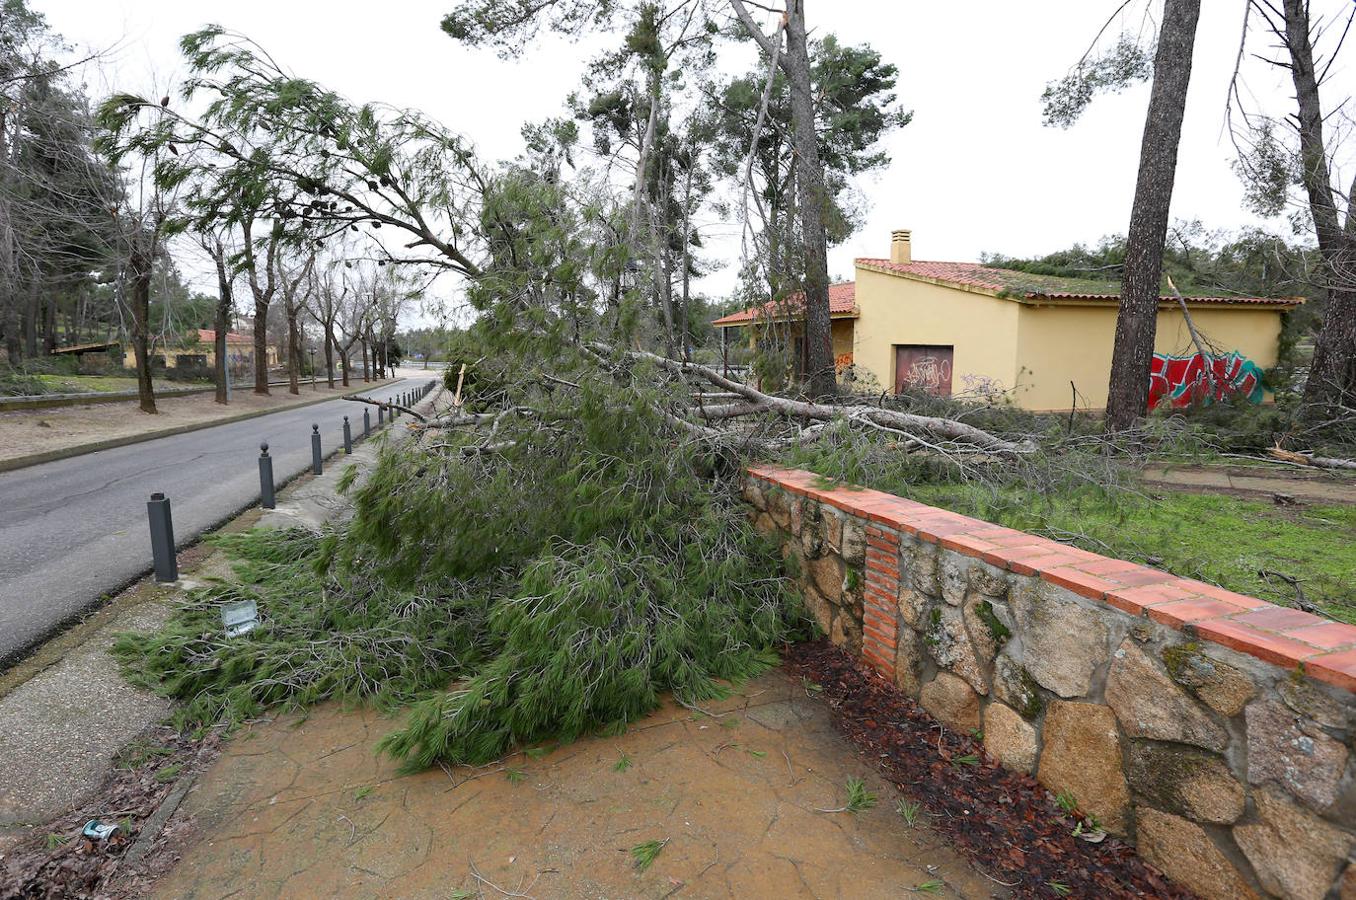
[
  {"x": 1006, "y": 823},
  {"x": 58, "y": 862}
]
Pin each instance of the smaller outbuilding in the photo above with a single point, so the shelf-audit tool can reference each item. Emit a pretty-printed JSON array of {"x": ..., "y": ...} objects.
[{"x": 969, "y": 330}]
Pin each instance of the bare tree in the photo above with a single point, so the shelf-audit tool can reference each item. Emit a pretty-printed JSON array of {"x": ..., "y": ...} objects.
[
  {"x": 297, "y": 287},
  {"x": 225, "y": 307},
  {"x": 1332, "y": 375},
  {"x": 810, "y": 184}
]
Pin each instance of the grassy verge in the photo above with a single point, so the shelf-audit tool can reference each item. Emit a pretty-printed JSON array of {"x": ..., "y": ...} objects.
[
  {"x": 1215, "y": 538},
  {"x": 1219, "y": 539}
]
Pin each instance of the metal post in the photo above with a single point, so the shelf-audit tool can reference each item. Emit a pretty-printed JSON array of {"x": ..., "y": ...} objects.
[
  {"x": 162, "y": 538},
  {"x": 367, "y": 423},
  {"x": 266, "y": 496},
  {"x": 317, "y": 464},
  {"x": 348, "y": 437},
  {"x": 381, "y": 416}
]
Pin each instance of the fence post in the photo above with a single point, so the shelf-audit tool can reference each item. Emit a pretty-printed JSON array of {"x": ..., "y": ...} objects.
[
  {"x": 162, "y": 538},
  {"x": 348, "y": 438},
  {"x": 267, "y": 499},
  {"x": 367, "y": 423},
  {"x": 317, "y": 464}
]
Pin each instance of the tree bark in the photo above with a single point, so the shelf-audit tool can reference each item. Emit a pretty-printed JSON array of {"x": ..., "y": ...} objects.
[
  {"x": 1137, "y": 321},
  {"x": 813, "y": 198},
  {"x": 222, "y": 322},
  {"x": 329, "y": 353},
  {"x": 293, "y": 351},
  {"x": 1332, "y": 374},
  {"x": 139, "y": 265}
]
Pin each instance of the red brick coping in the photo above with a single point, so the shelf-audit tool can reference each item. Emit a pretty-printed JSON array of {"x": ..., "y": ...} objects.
[{"x": 1279, "y": 635}]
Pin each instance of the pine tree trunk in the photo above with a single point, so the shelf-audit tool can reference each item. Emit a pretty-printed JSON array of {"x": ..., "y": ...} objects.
[
  {"x": 293, "y": 352},
  {"x": 329, "y": 353},
  {"x": 260, "y": 346},
  {"x": 1137, "y": 322},
  {"x": 139, "y": 272},
  {"x": 813, "y": 204},
  {"x": 222, "y": 322},
  {"x": 1332, "y": 374}
]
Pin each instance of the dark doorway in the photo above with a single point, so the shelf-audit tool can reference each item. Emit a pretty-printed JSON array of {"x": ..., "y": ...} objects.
[{"x": 923, "y": 367}]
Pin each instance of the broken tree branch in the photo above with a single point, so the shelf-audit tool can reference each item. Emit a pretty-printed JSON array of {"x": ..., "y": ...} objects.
[
  {"x": 386, "y": 404},
  {"x": 800, "y": 409}
]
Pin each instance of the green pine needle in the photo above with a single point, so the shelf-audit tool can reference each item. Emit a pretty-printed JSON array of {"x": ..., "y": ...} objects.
[
  {"x": 644, "y": 854},
  {"x": 859, "y": 799}
]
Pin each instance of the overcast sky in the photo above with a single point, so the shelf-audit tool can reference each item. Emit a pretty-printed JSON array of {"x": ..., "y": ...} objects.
[{"x": 974, "y": 172}]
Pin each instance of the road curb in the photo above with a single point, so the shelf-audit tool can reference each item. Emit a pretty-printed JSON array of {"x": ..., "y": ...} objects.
[{"x": 34, "y": 459}]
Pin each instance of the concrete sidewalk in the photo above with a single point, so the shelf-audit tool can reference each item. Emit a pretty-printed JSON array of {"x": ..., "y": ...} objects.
[{"x": 66, "y": 713}]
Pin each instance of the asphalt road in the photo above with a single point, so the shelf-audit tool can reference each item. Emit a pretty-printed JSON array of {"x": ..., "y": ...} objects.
[{"x": 75, "y": 529}]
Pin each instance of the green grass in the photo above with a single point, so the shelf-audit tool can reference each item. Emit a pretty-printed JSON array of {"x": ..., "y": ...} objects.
[
  {"x": 79, "y": 384},
  {"x": 1211, "y": 537}
]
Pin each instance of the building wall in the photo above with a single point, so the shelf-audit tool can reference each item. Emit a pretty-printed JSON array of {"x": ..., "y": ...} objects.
[
  {"x": 843, "y": 338},
  {"x": 1211, "y": 728},
  {"x": 1059, "y": 344},
  {"x": 894, "y": 310}
]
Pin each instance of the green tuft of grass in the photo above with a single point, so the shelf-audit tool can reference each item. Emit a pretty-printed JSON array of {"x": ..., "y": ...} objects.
[
  {"x": 362, "y": 791},
  {"x": 932, "y": 886},
  {"x": 909, "y": 811},
  {"x": 515, "y": 776},
  {"x": 968, "y": 759},
  {"x": 54, "y": 840},
  {"x": 642, "y": 855},
  {"x": 1060, "y": 888},
  {"x": 623, "y": 762},
  {"x": 169, "y": 773}
]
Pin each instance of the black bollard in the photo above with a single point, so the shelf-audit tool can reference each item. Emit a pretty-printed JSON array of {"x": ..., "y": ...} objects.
[
  {"x": 317, "y": 463},
  {"x": 381, "y": 416},
  {"x": 162, "y": 538},
  {"x": 348, "y": 438},
  {"x": 367, "y": 423},
  {"x": 267, "y": 499}
]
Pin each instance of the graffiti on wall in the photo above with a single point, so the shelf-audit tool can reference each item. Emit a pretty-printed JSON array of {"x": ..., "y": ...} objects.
[{"x": 1181, "y": 381}]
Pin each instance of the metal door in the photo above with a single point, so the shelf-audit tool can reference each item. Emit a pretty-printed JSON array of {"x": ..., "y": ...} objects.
[{"x": 923, "y": 367}]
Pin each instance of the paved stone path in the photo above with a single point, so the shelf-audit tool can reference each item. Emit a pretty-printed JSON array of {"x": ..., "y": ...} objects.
[
  {"x": 304, "y": 808},
  {"x": 1309, "y": 485}
]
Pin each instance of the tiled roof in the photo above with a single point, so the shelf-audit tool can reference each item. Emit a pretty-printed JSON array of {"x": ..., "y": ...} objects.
[
  {"x": 209, "y": 336},
  {"x": 842, "y": 302},
  {"x": 1024, "y": 285}
]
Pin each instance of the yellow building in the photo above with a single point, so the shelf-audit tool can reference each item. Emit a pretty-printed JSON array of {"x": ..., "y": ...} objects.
[
  {"x": 199, "y": 348},
  {"x": 969, "y": 330}
]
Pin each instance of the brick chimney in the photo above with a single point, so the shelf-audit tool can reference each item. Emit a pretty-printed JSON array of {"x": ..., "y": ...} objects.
[{"x": 900, "y": 248}]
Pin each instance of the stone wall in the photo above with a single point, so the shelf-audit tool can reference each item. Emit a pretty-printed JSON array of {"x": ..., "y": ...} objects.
[{"x": 1212, "y": 729}]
